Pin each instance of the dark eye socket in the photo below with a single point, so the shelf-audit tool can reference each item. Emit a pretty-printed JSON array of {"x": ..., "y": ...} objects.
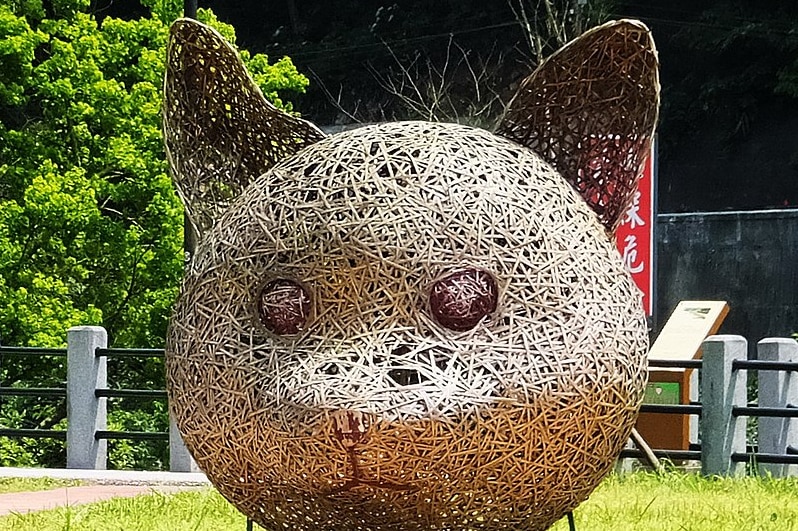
[
  {"x": 284, "y": 306},
  {"x": 461, "y": 299}
]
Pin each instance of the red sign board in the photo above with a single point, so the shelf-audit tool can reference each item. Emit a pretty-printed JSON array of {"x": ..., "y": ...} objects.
[{"x": 635, "y": 236}]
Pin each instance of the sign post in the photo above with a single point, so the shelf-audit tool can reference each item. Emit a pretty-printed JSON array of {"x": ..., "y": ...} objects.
[
  {"x": 190, "y": 9},
  {"x": 635, "y": 235}
]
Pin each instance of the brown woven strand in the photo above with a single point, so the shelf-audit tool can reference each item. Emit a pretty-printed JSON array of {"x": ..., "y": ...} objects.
[
  {"x": 370, "y": 414},
  {"x": 219, "y": 130},
  {"x": 590, "y": 109}
]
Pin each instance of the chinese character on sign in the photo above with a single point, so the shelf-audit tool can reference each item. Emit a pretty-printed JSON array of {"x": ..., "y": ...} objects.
[
  {"x": 630, "y": 255},
  {"x": 633, "y": 214}
]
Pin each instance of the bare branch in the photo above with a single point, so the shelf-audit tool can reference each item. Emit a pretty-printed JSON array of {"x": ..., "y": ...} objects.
[
  {"x": 458, "y": 87},
  {"x": 336, "y": 101},
  {"x": 548, "y": 24}
]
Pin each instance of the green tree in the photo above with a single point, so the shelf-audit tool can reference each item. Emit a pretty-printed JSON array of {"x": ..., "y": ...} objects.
[{"x": 91, "y": 231}]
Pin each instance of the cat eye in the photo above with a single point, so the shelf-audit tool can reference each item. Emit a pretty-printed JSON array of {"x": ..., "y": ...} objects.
[
  {"x": 284, "y": 306},
  {"x": 461, "y": 299}
]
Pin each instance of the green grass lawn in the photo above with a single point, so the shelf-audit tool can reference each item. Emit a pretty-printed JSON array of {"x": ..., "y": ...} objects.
[
  {"x": 639, "y": 501},
  {"x": 201, "y": 510},
  {"x": 689, "y": 502}
]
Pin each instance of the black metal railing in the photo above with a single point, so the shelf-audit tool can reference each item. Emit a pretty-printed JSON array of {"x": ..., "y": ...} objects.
[
  {"x": 790, "y": 457},
  {"x": 50, "y": 392},
  {"x": 151, "y": 394},
  {"x": 694, "y": 453},
  {"x": 61, "y": 392}
]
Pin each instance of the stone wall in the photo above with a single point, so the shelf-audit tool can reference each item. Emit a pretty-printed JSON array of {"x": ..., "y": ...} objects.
[{"x": 749, "y": 259}]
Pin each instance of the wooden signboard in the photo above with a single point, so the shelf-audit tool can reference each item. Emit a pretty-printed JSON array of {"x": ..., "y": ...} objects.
[{"x": 680, "y": 339}]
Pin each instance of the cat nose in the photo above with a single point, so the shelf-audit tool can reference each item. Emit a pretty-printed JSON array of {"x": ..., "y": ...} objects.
[
  {"x": 400, "y": 357},
  {"x": 350, "y": 426},
  {"x": 405, "y": 376}
]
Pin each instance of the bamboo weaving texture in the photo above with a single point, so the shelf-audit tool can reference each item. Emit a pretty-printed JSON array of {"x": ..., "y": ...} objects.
[{"x": 408, "y": 326}]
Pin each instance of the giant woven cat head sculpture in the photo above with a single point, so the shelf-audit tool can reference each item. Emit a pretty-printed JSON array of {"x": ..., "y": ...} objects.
[{"x": 409, "y": 326}]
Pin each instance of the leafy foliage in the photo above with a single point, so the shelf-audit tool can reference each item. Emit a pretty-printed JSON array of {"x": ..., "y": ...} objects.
[
  {"x": 91, "y": 231},
  {"x": 149, "y": 455}
]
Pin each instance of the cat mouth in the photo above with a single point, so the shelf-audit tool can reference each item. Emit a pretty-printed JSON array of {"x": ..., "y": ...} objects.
[{"x": 350, "y": 428}]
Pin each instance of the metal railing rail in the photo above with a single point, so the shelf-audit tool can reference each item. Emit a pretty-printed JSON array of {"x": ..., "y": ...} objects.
[
  {"x": 129, "y": 352},
  {"x": 33, "y": 433},
  {"x": 730, "y": 352},
  {"x": 32, "y": 351}
]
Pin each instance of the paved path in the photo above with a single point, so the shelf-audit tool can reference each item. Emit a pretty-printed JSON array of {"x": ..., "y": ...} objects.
[
  {"x": 103, "y": 484},
  {"x": 25, "y": 502}
]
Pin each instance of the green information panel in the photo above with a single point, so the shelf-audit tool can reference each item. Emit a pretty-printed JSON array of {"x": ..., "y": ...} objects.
[{"x": 662, "y": 393}]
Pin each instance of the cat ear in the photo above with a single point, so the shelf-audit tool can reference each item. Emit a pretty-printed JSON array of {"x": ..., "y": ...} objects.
[
  {"x": 590, "y": 110},
  {"x": 219, "y": 130}
]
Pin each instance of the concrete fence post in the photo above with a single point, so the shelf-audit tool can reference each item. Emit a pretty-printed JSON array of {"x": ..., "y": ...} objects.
[
  {"x": 777, "y": 389},
  {"x": 85, "y": 412},
  {"x": 721, "y": 389},
  {"x": 180, "y": 459},
  {"x": 695, "y": 398}
]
